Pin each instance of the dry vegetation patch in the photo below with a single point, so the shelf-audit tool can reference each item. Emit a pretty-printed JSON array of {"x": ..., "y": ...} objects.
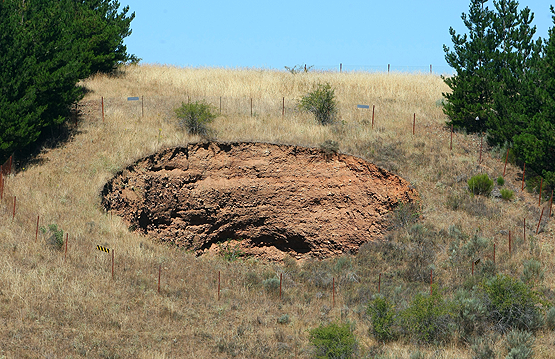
[{"x": 60, "y": 306}]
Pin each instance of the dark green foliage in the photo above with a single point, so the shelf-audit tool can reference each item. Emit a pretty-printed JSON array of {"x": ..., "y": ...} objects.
[
  {"x": 46, "y": 47},
  {"x": 505, "y": 78},
  {"x": 500, "y": 181},
  {"x": 382, "y": 315},
  {"x": 321, "y": 103},
  {"x": 195, "y": 117},
  {"x": 480, "y": 184},
  {"x": 333, "y": 341},
  {"x": 428, "y": 318},
  {"x": 512, "y": 304}
]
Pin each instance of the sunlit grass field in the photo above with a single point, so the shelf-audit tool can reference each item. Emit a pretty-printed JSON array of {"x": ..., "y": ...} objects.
[{"x": 56, "y": 304}]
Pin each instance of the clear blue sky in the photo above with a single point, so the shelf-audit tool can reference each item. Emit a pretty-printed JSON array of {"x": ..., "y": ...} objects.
[{"x": 363, "y": 35}]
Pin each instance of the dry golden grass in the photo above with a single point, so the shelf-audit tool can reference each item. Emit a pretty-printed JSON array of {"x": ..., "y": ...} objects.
[{"x": 52, "y": 306}]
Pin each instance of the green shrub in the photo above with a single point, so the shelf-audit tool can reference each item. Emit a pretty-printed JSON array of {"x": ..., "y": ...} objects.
[
  {"x": 329, "y": 147},
  {"x": 321, "y": 103},
  {"x": 195, "y": 117},
  {"x": 480, "y": 185},
  {"x": 512, "y": 304},
  {"x": 382, "y": 316},
  {"x": 519, "y": 344},
  {"x": 55, "y": 236},
  {"x": 507, "y": 194},
  {"x": 333, "y": 341},
  {"x": 500, "y": 181},
  {"x": 428, "y": 318}
]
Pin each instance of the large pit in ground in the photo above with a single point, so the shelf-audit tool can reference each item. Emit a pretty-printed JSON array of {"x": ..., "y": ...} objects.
[{"x": 270, "y": 200}]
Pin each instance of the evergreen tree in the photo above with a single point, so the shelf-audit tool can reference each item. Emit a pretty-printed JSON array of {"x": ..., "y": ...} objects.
[
  {"x": 536, "y": 144},
  {"x": 46, "y": 47},
  {"x": 514, "y": 60},
  {"x": 472, "y": 59}
]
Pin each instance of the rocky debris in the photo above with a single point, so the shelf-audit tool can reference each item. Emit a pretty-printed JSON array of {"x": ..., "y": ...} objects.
[{"x": 271, "y": 200}]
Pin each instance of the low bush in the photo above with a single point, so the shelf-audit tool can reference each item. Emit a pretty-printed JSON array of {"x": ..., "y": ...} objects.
[
  {"x": 55, "y": 236},
  {"x": 321, "y": 103},
  {"x": 428, "y": 318},
  {"x": 507, "y": 194},
  {"x": 500, "y": 181},
  {"x": 512, "y": 304},
  {"x": 480, "y": 184},
  {"x": 382, "y": 315},
  {"x": 333, "y": 341},
  {"x": 195, "y": 117},
  {"x": 271, "y": 285}
]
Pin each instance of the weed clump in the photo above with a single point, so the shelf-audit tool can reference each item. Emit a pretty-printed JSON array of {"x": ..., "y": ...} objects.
[
  {"x": 382, "y": 314},
  {"x": 333, "y": 341},
  {"x": 480, "y": 185},
  {"x": 195, "y": 117},
  {"x": 321, "y": 103},
  {"x": 507, "y": 194},
  {"x": 55, "y": 236}
]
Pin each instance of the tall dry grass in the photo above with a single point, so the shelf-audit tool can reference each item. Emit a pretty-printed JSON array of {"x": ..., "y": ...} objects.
[{"x": 57, "y": 306}]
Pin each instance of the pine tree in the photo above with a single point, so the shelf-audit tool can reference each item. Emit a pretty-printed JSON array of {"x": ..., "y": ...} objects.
[
  {"x": 46, "y": 47},
  {"x": 536, "y": 144},
  {"x": 472, "y": 59},
  {"x": 514, "y": 60}
]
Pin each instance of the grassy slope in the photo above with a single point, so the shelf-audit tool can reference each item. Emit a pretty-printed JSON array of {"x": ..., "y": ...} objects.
[{"x": 70, "y": 307}]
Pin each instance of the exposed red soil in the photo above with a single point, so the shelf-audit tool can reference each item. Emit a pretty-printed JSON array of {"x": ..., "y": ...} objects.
[{"x": 271, "y": 200}]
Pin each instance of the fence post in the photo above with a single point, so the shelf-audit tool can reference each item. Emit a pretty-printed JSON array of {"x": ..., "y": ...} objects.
[
  {"x": 539, "y": 222},
  {"x": 388, "y": 67},
  {"x": 373, "y": 108},
  {"x": 251, "y": 105},
  {"x": 340, "y": 67},
  {"x": 481, "y": 142},
  {"x": 379, "y": 282},
  {"x": 523, "y": 172},
  {"x": 506, "y": 159},
  {"x": 540, "y": 197},
  {"x": 14, "y": 199},
  {"x": 283, "y": 107},
  {"x": 102, "y": 100},
  {"x": 218, "y": 286},
  {"x": 112, "y": 264},
  {"x": 37, "y": 231},
  {"x": 413, "y": 123},
  {"x": 430, "y": 69}
]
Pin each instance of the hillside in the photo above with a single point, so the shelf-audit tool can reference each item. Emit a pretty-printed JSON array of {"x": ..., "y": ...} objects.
[{"x": 66, "y": 304}]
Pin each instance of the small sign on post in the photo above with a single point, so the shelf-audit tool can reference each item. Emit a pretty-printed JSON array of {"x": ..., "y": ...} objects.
[
  {"x": 363, "y": 106},
  {"x": 136, "y": 98}
]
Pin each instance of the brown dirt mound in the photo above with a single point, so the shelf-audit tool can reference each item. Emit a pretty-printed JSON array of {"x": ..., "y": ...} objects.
[{"x": 271, "y": 200}]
